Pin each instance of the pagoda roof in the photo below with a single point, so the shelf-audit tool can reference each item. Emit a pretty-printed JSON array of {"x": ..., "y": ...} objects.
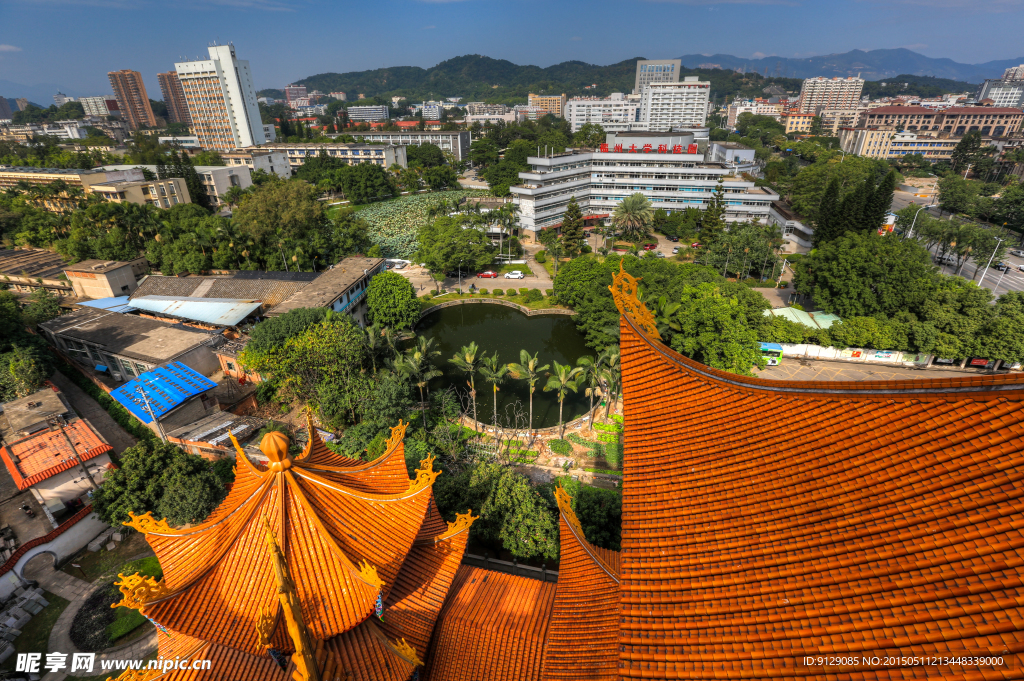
[
  {"x": 343, "y": 548},
  {"x": 766, "y": 521}
]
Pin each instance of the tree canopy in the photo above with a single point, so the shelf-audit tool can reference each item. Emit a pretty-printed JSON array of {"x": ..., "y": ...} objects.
[{"x": 391, "y": 301}]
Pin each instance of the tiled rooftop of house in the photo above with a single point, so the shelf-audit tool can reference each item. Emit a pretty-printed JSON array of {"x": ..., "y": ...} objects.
[{"x": 43, "y": 455}]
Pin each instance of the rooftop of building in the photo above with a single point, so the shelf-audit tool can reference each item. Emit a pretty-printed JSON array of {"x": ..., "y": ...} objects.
[
  {"x": 217, "y": 428},
  {"x": 911, "y": 109},
  {"x": 117, "y": 185},
  {"x": 213, "y": 311},
  {"x": 270, "y": 288},
  {"x": 26, "y": 415},
  {"x": 32, "y": 262},
  {"x": 147, "y": 340},
  {"x": 100, "y": 266},
  {"x": 330, "y": 285},
  {"x": 50, "y": 171},
  {"x": 732, "y": 145},
  {"x": 43, "y": 455},
  {"x": 161, "y": 390}
]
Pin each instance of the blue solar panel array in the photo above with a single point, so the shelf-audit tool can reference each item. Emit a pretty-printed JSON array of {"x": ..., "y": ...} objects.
[{"x": 166, "y": 387}]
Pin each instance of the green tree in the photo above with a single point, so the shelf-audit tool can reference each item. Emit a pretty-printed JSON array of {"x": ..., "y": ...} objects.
[
  {"x": 468, "y": 360},
  {"x": 367, "y": 182},
  {"x": 632, "y": 217},
  {"x": 966, "y": 152},
  {"x": 530, "y": 370},
  {"x": 26, "y": 373},
  {"x": 162, "y": 478},
  {"x": 425, "y": 155},
  {"x": 561, "y": 382},
  {"x": 589, "y": 135},
  {"x": 826, "y": 225},
  {"x": 712, "y": 221},
  {"x": 572, "y": 229},
  {"x": 448, "y": 242},
  {"x": 416, "y": 366},
  {"x": 42, "y": 306},
  {"x": 289, "y": 210},
  {"x": 440, "y": 177},
  {"x": 957, "y": 195},
  {"x": 272, "y": 333},
  {"x": 208, "y": 158},
  {"x": 351, "y": 233},
  {"x": 880, "y": 203},
  {"x": 483, "y": 152},
  {"x": 590, "y": 378},
  {"x": 716, "y": 330},
  {"x": 528, "y": 528},
  {"x": 391, "y": 301},
  {"x": 599, "y": 512},
  {"x": 493, "y": 372}
]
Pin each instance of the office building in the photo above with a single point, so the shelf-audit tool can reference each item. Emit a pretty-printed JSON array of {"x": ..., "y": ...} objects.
[
  {"x": 735, "y": 156},
  {"x": 956, "y": 120},
  {"x": 293, "y": 92},
  {"x": 174, "y": 97},
  {"x": 96, "y": 106},
  {"x": 656, "y": 71},
  {"x": 455, "y": 142},
  {"x": 132, "y": 100},
  {"x": 614, "y": 113},
  {"x": 665, "y": 167},
  {"x": 665, "y": 106},
  {"x": 795, "y": 229},
  {"x": 362, "y": 114},
  {"x": 5, "y": 109},
  {"x": 887, "y": 143},
  {"x": 555, "y": 105},
  {"x": 830, "y": 93},
  {"x": 353, "y": 154},
  {"x": 60, "y": 99},
  {"x": 482, "y": 109},
  {"x": 21, "y": 103},
  {"x": 1014, "y": 73},
  {"x": 1003, "y": 93},
  {"x": 183, "y": 141},
  {"x": 222, "y": 100}
]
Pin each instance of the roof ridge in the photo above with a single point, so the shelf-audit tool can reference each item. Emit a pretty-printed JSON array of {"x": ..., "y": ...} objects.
[{"x": 565, "y": 507}]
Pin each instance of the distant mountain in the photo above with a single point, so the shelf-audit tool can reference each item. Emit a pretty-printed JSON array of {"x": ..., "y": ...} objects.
[
  {"x": 40, "y": 92},
  {"x": 871, "y": 65}
]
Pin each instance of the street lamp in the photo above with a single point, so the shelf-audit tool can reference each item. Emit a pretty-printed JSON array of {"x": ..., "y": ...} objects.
[
  {"x": 998, "y": 241},
  {"x": 914, "y": 222},
  {"x": 460, "y": 277}
]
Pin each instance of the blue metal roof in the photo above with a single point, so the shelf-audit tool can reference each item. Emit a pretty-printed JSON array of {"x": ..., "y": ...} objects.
[
  {"x": 166, "y": 387},
  {"x": 771, "y": 346},
  {"x": 118, "y": 304},
  {"x": 218, "y": 311}
]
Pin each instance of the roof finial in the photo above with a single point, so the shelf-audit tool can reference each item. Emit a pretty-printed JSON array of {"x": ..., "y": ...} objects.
[
  {"x": 275, "y": 445},
  {"x": 625, "y": 291}
]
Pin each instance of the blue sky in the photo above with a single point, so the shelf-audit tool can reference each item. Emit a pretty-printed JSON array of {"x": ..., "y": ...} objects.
[{"x": 73, "y": 43}]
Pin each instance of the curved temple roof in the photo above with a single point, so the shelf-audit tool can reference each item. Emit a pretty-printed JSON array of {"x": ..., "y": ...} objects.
[{"x": 764, "y": 521}]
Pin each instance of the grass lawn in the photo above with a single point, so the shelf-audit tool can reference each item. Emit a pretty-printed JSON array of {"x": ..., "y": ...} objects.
[
  {"x": 107, "y": 563},
  {"x": 544, "y": 304},
  {"x": 36, "y": 634}
]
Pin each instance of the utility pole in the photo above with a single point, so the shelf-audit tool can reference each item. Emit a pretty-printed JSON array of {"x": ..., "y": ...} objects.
[
  {"x": 998, "y": 241},
  {"x": 78, "y": 457},
  {"x": 149, "y": 408}
]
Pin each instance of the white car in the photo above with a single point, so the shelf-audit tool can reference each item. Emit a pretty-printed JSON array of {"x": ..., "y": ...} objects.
[{"x": 515, "y": 274}]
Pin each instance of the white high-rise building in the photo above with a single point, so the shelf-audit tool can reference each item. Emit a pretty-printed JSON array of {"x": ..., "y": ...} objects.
[
  {"x": 222, "y": 100},
  {"x": 656, "y": 71},
  {"x": 614, "y": 114},
  {"x": 830, "y": 93},
  {"x": 95, "y": 106},
  {"x": 1014, "y": 73},
  {"x": 664, "y": 106}
]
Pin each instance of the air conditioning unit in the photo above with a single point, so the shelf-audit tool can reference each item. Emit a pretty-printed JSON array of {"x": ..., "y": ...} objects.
[{"x": 116, "y": 375}]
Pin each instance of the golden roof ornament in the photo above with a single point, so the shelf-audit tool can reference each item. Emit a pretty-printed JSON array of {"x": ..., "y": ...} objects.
[
  {"x": 138, "y": 590},
  {"x": 146, "y": 523},
  {"x": 625, "y": 288},
  {"x": 275, "y": 446}
]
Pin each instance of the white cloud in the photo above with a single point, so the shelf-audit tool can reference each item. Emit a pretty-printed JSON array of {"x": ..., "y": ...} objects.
[{"x": 9, "y": 48}]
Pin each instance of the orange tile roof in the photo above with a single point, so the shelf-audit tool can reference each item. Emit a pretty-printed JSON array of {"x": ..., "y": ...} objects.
[
  {"x": 225, "y": 663},
  {"x": 43, "y": 455},
  {"x": 766, "y": 521},
  {"x": 386, "y": 474},
  {"x": 492, "y": 626},
  {"x": 582, "y": 640}
]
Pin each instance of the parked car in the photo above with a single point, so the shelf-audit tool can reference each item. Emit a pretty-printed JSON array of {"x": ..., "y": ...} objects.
[
  {"x": 1002, "y": 267},
  {"x": 945, "y": 260},
  {"x": 672, "y": 238},
  {"x": 675, "y": 250},
  {"x": 1017, "y": 252},
  {"x": 488, "y": 275},
  {"x": 650, "y": 247},
  {"x": 694, "y": 245},
  {"x": 1020, "y": 268},
  {"x": 514, "y": 274},
  {"x": 659, "y": 254}
]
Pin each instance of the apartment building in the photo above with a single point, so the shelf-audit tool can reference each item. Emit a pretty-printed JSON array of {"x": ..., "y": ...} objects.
[
  {"x": 354, "y": 154},
  {"x": 757, "y": 107},
  {"x": 65, "y": 130},
  {"x": 217, "y": 180},
  {"x": 158, "y": 193},
  {"x": 1014, "y": 73},
  {"x": 431, "y": 111},
  {"x": 221, "y": 100},
  {"x": 614, "y": 113},
  {"x": 525, "y": 112},
  {"x": 359, "y": 114},
  {"x": 830, "y": 93},
  {"x": 797, "y": 122},
  {"x": 12, "y": 176},
  {"x": 1003, "y": 92},
  {"x": 665, "y": 106},
  {"x": 98, "y": 106},
  {"x": 551, "y": 103},
  {"x": 132, "y": 100},
  {"x": 455, "y": 142},
  {"x": 340, "y": 96},
  {"x": 833, "y": 120},
  {"x": 956, "y": 120},
  {"x": 293, "y": 92},
  {"x": 890, "y": 144},
  {"x": 656, "y": 71},
  {"x": 174, "y": 97},
  {"x": 481, "y": 109},
  {"x": 60, "y": 99},
  {"x": 665, "y": 167},
  {"x": 267, "y": 160}
]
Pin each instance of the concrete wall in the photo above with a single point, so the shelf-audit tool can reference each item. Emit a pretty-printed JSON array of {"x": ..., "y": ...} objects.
[
  {"x": 62, "y": 487},
  {"x": 65, "y": 545},
  {"x": 202, "y": 359},
  {"x": 191, "y": 411}
]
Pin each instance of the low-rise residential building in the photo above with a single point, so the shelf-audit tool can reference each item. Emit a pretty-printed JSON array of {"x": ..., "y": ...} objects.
[
  {"x": 455, "y": 142},
  {"x": 666, "y": 168},
  {"x": 97, "y": 106},
  {"x": 525, "y": 112},
  {"x": 342, "y": 288},
  {"x": 367, "y": 113},
  {"x": 159, "y": 193},
  {"x": 555, "y": 104},
  {"x": 890, "y": 144},
  {"x": 210, "y": 436},
  {"x": 98, "y": 279},
  {"x": 123, "y": 346},
  {"x": 167, "y": 398},
  {"x": 354, "y": 154},
  {"x": 797, "y": 122},
  {"x": 14, "y": 176},
  {"x": 956, "y": 120},
  {"x": 259, "y": 290},
  {"x": 23, "y": 270},
  {"x": 758, "y": 107},
  {"x": 614, "y": 113},
  {"x": 230, "y": 365},
  {"x": 796, "y": 230},
  {"x": 217, "y": 180},
  {"x": 254, "y": 158},
  {"x": 64, "y": 130},
  {"x": 482, "y": 109}
]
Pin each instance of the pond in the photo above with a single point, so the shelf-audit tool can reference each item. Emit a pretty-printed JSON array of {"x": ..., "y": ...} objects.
[{"x": 506, "y": 331}]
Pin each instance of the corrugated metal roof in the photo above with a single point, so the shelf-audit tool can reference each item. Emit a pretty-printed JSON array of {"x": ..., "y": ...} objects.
[
  {"x": 118, "y": 304},
  {"x": 166, "y": 387},
  {"x": 270, "y": 291},
  {"x": 815, "y": 320},
  {"x": 219, "y": 311}
]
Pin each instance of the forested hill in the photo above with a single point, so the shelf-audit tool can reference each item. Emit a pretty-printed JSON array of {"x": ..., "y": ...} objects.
[{"x": 478, "y": 78}]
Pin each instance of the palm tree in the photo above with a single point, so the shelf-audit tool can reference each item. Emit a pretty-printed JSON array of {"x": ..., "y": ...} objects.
[
  {"x": 468, "y": 361},
  {"x": 420, "y": 371},
  {"x": 372, "y": 341},
  {"x": 562, "y": 381},
  {"x": 632, "y": 217},
  {"x": 391, "y": 340},
  {"x": 494, "y": 373},
  {"x": 611, "y": 375},
  {"x": 590, "y": 376},
  {"x": 529, "y": 371}
]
